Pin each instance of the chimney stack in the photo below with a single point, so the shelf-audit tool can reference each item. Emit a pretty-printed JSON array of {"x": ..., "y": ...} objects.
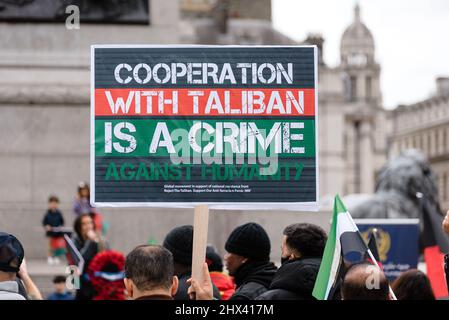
[
  {"x": 318, "y": 40},
  {"x": 442, "y": 86}
]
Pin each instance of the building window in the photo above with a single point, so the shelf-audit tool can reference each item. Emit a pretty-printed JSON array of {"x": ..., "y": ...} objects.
[
  {"x": 437, "y": 141},
  {"x": 422, "y": 142},
  {"x": 368, "y": 89},
  {"x": 445, "y": 147},
  {"x": 353, "y": 88}
]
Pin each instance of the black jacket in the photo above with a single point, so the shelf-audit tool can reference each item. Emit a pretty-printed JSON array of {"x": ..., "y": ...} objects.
[
  {"x": 88, "y": 249},
  {"x": 252, "y": 279},
  {"x": 294, "y": 280},
  {"x": 53, "y": 219},
  {"x": 182, "y": 294}
]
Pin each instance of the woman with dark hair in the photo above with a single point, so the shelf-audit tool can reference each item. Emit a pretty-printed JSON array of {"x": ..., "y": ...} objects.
[
  {"x": 413, "y": 285},
  {"x": 89, "y": 243}
]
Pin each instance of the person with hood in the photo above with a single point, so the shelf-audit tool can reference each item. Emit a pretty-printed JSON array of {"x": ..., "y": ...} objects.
[
  {"x": 248, "y": 261},
  {"x": 179, "y": 242},
  {"x": 302, "y": 249}
]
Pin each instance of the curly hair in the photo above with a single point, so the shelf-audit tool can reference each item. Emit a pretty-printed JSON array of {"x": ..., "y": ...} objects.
[{"x": 308, "y": 239}]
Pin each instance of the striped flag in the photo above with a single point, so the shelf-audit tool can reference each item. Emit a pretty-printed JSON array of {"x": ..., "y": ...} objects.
[
  {"x": 372, "y": 245},
  {"x": 344, "y": 237}
]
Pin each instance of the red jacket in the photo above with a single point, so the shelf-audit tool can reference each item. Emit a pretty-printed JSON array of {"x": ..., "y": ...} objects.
[{"x": 224, "y": 284}]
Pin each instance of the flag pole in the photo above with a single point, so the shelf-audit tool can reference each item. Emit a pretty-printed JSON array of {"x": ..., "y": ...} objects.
[{"x": 393, "y": 296}]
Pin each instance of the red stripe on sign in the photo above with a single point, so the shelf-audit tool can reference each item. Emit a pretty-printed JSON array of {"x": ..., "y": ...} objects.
[{"x": 214, "y": 102}]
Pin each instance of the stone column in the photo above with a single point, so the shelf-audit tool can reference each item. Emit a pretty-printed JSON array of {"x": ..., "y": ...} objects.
[
  {"x": 351, "y": 159},
  {"x": 366, "y": 158}
]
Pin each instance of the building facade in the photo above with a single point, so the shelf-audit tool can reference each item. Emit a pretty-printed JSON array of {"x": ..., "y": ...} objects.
[
  {"x": 222, "y": 22},
  {"x": 353, "y": 125},
  {"x": 45, "y": 112},
  {"x": 424, "y": 125}
]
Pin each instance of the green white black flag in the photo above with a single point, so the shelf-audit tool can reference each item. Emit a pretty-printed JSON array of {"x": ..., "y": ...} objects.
[{"x": 344, "y": 237}]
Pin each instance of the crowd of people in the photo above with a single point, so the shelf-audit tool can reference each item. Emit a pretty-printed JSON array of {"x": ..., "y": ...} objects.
[{"x": 151, "y": 272}]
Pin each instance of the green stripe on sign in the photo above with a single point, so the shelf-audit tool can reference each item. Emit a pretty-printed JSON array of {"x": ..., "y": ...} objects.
[{"x": 191, "y": 137}]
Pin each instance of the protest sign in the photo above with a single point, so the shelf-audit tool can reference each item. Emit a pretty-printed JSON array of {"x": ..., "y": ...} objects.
[{"x": 226, "y": 126}]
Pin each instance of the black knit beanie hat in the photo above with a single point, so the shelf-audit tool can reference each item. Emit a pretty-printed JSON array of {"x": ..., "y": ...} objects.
[
  {"x": 213, "y": 259},
  {"x": 179, "y": 242},
  {"x": 251, "y": 241}
]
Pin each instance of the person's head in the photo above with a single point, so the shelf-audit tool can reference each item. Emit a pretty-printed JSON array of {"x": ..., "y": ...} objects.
[
  {"x": 149, "y": 269},
  {"x": 82, "y": 225},
  {"x": 213, "y": 259},
  {"x": 248, "y": 242},
  {"x": 413, "y": 285},
  {"x": 11, "y": 256},
  {"x": 83, "y": 190},
  {"x": 365, "y": 281},
  {"x": 302, "y": 240},
  {"x": 53, "y": 203},
  {"x": 60, "y": 284},
  {"x": 179, "y": 241}
]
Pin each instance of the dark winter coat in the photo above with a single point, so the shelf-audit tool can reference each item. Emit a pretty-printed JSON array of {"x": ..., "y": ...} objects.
[
  {"x": 252, "y": 279},
  {"x": 88, "y": 249},
  {"x": 294, "y": 280}
]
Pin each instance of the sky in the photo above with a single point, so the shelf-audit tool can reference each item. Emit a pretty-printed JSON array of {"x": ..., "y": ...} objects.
[{"x": 411, "y": 38}]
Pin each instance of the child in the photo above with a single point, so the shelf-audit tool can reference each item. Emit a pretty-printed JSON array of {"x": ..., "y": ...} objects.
[
  {"x": 52, "y": 220},
  {"x": 60, "y": 290}
]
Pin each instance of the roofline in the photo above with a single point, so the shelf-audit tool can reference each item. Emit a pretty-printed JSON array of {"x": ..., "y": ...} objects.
[{"x": 407, "y": 107}]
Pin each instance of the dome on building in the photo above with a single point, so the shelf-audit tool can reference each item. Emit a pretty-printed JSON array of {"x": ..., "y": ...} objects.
[{"x": 357, "y": 38}]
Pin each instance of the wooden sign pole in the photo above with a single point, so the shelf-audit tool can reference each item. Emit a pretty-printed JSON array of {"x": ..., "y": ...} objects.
[{"x": 200, "y": 228}]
